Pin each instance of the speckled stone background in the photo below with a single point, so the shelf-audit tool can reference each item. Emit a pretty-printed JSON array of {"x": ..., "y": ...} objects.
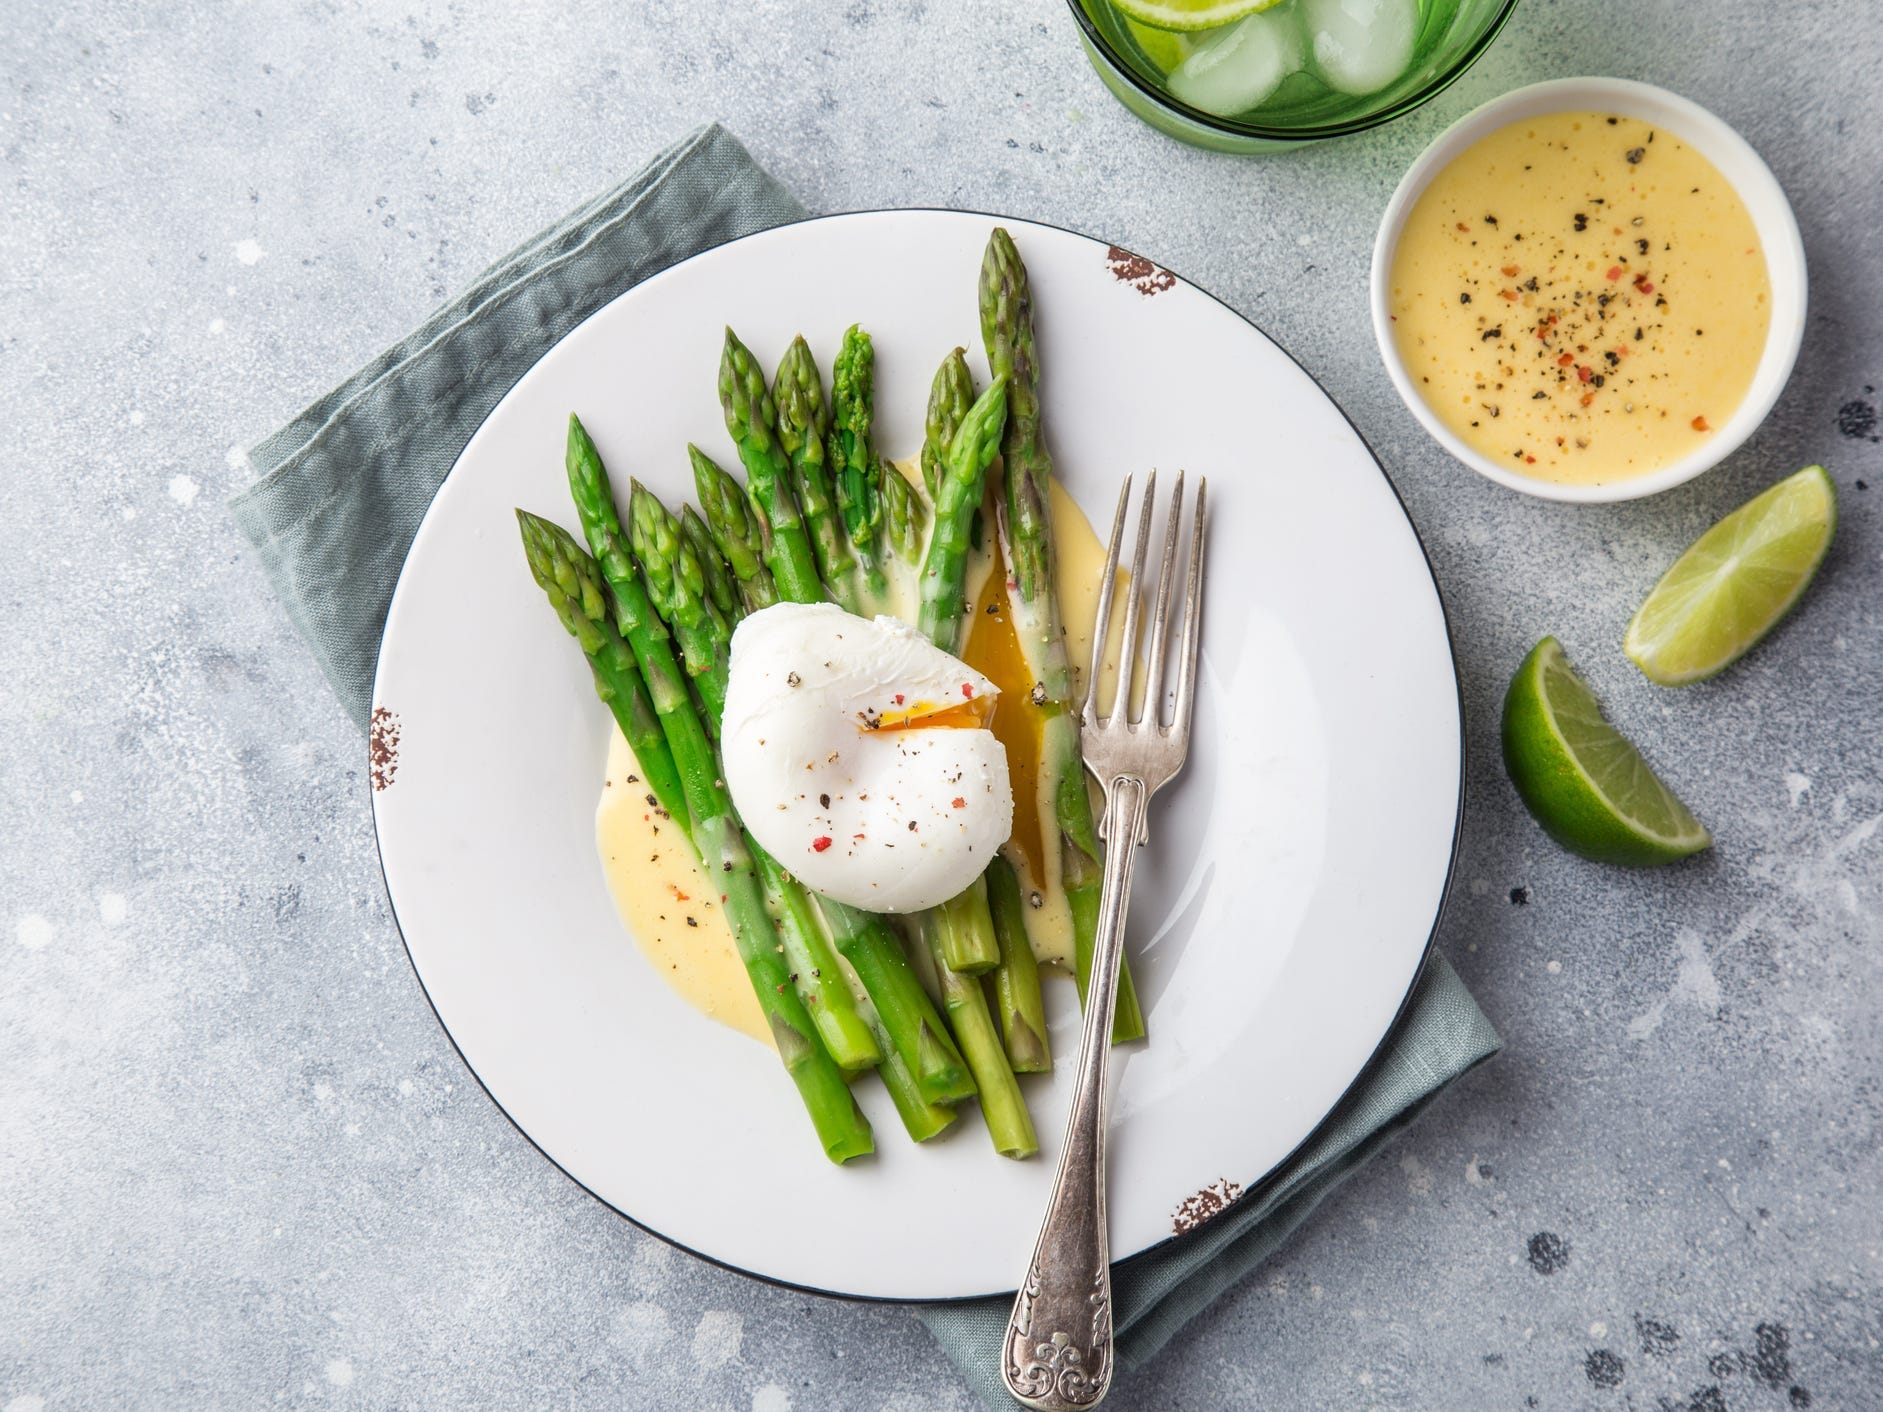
[{"x": 240, "y": 1165}]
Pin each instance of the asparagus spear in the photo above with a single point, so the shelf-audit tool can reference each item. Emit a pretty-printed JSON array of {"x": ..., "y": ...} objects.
[
  {"x": 740, "y": 536},
  {"x": 677, "y": 590},
  {"x": 751, "y": 418},
  {"x": 921, "y": 1119},
  {"x": 719, "y": 585},
  {"x": 1016, "y": 980},
  {"x": 573, "y": 582},
  {"x": 904, "y": 515},
  {"x": 916, "y": 1031},
  {"x": 963, "y": 482},
  {"x": 964, "y": 929},
  {"x": 584, "y": 612},
  {"x": 949, "y": 397},
  {"x": 804, "y": 432},
  {"x": 814, "y": 970},
  {"x": 1002, "y": 1107},
  {"x": 852, "y": 459},
  {"x": 1025, "y": 525},
  {"x": 676, "y": 582}
]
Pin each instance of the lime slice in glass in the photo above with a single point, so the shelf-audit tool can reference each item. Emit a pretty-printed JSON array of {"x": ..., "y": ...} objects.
[
  {"x": 1734, "y": 582},
  {"x": 1164, "y": 48},
  {"x": 1186, "y": 15},
  {"x": 1587, "y": 786}
]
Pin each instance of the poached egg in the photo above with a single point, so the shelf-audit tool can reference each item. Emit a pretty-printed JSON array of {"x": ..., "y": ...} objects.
[{"x": 860, "y": 756}]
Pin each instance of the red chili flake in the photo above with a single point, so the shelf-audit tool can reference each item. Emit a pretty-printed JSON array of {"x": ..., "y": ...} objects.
[
  {"x": 960, "y": 803},
  {"x": 898, "y": 698},
  {"x": 967, "y": 689},
  {"x": 1463, "y": 226},
  {"x": 1566, "y": 360},
  {"x": 1510, "y": 270},
  {"x": 1509, "y": 294},
  {"x": 1587, "y": 398},
  {"x": 1530, "y": 460},
  {"x": 1614, "y": 271},
  {"x": 1699, "y": 424},
  {"x": 820, "y": 843},
  {"x": 1645, "y": 285},
  {"x": 1584, "y": 374}
]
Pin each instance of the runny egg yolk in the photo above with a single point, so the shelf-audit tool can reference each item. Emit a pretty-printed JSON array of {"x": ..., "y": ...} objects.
[
  {"x": 929, "y": 715},
  {"x": 994, "y": 651}
]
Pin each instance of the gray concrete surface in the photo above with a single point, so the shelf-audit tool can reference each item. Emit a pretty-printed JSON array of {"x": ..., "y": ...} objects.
[{"x": 240, "y": 1165}]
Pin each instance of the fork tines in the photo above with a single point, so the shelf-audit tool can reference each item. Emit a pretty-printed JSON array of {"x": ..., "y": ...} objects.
[{"x": 1151, "y": 711}]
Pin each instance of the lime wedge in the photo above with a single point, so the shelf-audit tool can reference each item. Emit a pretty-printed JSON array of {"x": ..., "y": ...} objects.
[
  {"x": 1588, "y": 787},
  {"x": 1188, "y": 15},
  {"x": 1162, "y": 47},
  {"x": 1734, "y": 582}
]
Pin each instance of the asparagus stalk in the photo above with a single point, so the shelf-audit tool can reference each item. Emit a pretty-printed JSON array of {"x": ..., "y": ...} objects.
[
  {"x": 719, "y": 584},
  {"x": 751, "y": 418},
  {"x": 804, "y": 432},
  {"x": 618, "y": 683},
  {"x": 905, "y": 516},
  {"x": 916, "y": 1032},
  {"x": 949, "y": 397},
  {"x": 964, "y": 924},
  {"x": 963, "y": 483},
  {"x": 573, "y": 583},
  {"x": 676, "y": 582},
  {"x": 1016, "y": 981},
  {"x": 852, "y": 459},
  {"x": 1002, "y": 1107},
  {"x": 677, "y": 589},
  {"x": 814, "y": 969},
  {"x": 818, "y": 980},
  {"x": 964, "y": 928},
  {"x": 921, "y": 1119},
  {"x": 740, "y": 536},
  {"x": 1025, "y": 525}
]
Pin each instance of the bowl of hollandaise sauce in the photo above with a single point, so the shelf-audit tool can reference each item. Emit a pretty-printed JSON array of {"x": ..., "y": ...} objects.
[{"x": 1589, "y": 289}]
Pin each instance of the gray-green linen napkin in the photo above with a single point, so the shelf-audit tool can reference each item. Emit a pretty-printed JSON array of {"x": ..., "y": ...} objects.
[{"x": 344, "y": 486}]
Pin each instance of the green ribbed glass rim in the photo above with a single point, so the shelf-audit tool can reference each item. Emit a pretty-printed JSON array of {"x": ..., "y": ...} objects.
[{"x": 1124, "y": 66}]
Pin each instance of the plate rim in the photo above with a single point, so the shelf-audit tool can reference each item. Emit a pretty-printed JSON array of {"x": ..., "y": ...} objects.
[{"x": 1254, "y": 1190}]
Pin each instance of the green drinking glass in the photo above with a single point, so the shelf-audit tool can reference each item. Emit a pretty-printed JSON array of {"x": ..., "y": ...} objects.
[{"x": 1296, "y": 72}]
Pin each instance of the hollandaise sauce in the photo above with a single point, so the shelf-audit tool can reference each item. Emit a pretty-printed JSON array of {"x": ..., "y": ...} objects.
[{"x": 1581, "y": 296}]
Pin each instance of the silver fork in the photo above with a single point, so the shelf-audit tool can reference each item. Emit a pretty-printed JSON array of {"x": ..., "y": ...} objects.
[{"x": 1058, "y": 1349}]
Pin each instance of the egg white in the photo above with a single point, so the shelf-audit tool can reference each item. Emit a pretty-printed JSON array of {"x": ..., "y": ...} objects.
[{"x": 860, "y": 806}]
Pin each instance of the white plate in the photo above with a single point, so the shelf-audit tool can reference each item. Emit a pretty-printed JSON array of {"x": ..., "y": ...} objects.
[{"x": 1280, "y": 915}]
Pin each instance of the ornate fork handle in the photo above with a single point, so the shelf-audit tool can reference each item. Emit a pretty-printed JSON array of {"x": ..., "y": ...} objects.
[{"x": 1059, "y": 1340}]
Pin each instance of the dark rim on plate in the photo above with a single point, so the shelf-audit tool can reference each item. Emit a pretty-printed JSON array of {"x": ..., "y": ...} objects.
[
  {"x": 1252, "y": 1190},
  {"x": 1121, "y": 65}
]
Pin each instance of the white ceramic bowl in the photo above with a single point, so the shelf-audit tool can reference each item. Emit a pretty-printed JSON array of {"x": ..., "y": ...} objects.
[{"x": 1719, "y": 144}]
